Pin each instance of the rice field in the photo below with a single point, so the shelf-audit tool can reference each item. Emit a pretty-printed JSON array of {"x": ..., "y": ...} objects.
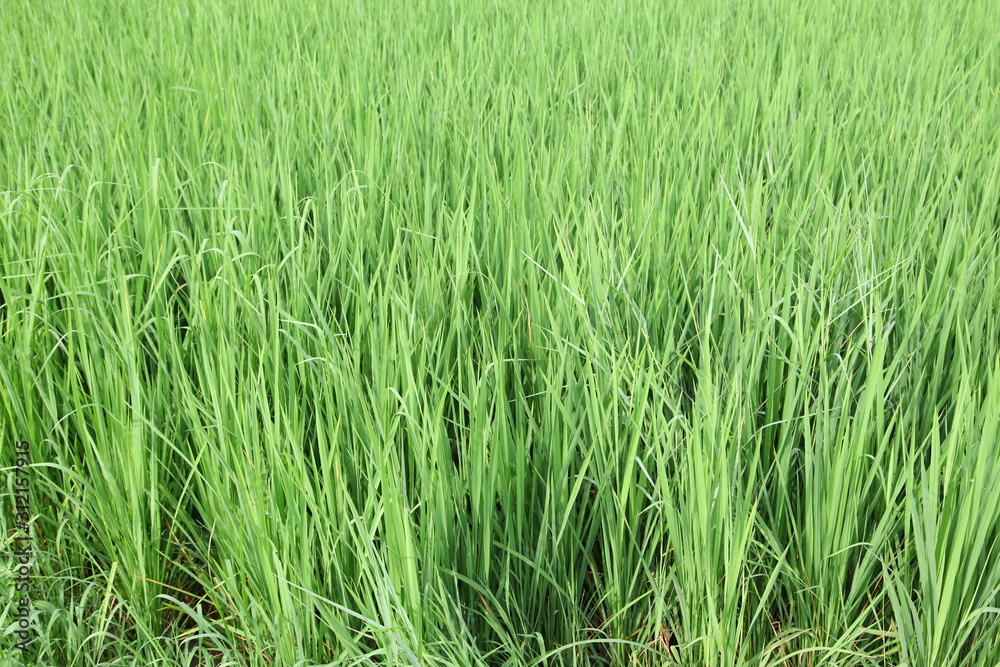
[{"x": 500, "y": 334}]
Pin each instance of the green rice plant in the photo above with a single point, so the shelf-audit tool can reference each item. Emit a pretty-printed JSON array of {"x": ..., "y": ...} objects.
[{"x": 606, "y": 333}]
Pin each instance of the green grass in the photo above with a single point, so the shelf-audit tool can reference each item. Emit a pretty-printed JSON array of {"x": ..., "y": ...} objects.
[{"x": 489, "y": 333}]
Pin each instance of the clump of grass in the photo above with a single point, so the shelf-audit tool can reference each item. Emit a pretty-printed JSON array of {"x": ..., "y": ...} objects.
[{"x": 487, "y": 334}]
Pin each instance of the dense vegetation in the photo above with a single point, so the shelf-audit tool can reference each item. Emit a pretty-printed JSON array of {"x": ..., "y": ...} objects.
[{"x": 490, "y": 333}]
